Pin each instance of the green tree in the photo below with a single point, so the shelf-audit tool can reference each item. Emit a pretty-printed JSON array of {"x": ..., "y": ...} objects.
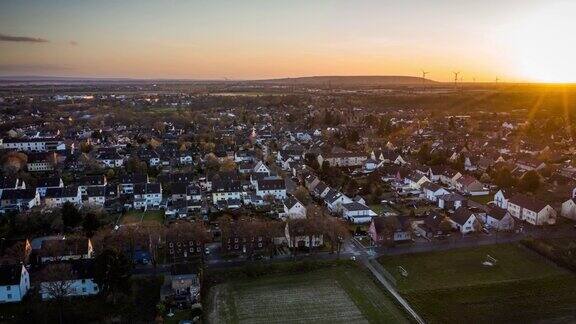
[
  {"x": 71, "y": 216},
  {"x": 90, "y": 224},
  {"x": 530, "y": 181},
  {"x": 112, "y": 273}
]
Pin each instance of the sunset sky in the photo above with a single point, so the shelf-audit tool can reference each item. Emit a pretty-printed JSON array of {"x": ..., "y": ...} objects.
[{"x": 514, "y": 40}]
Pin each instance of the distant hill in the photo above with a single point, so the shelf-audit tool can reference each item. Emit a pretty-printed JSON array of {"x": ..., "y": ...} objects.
[{"x": 375, "y": 80}]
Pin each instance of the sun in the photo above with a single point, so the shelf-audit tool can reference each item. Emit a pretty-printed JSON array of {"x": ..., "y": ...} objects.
[{"x": 544, "y": 44}]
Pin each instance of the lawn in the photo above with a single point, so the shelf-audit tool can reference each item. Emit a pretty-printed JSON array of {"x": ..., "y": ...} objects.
[
  {"x": 482, "y": 199},
  {"x": 450, "y": 286},
  {"x": 335, "y": 295},
  {"x": 136, "y": 216}
]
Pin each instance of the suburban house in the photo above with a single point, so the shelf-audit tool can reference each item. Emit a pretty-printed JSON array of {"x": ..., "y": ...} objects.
[
  {"x": 80, "y": 281},
  {"x": 357, "y": 212},
  {"x": 275, "y": 187},
  {"x": 390, "y": 229},
  {"x": 470, "y": 186},
  {"x": 569, "y": 209},
  {"x": 183, "y": 283},
  {"x": 226, "y": 189},
  {"x": 499, "y": 219},
  {"x": 127, "y": 182},
  {"x": 19, "y": 199},
  {"x": 260, "y": 167},
  {"x": 531, "y": 210},
  {"x": 15, "y": 251},
  {"x": 387, "y": 156},
  {"x": 335, "y": 199},
  {"x": 465, "y": 220},
  {"x": 110, "y": 159},
  {"x": 415, "y": 180},
  {"x": 48, "y": 182},
  {"x": 147, "y": 195},
  {"x": 56, "y": 197},
  {"x": 321, "y": 190},
  {"x": 342, "y": 158},
  {"x": 14, "y": 283},
  {"x": 501, "y": 199},
  {"x": 91, "y": 182},
  {"x": 432, "y": 191},
  {"x": 41, "y": 162},
  {"x": 66, "y": 249},
  {"x": 451, "y": 201},
  {"x": 300, "y": 235},
  {"x": 33, "y": 144},
  {"x": 293, "y": 208},
  {"x": 182, "y": 249}
]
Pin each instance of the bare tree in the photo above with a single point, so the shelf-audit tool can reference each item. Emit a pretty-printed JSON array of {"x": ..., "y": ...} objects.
[{"x": 57, "y": 279}]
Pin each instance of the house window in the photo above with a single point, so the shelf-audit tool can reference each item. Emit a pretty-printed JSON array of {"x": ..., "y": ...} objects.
[
  {"x": 8, "y": 288},
  {"x": 83, "y": 289},
  {"x": 9, "y": 296},
  {"x": 236, "y": 246},
  {"x": 83, "y": 280}
]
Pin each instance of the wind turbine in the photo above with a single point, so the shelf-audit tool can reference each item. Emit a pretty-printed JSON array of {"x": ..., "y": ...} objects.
[
  {"x": 456, "y": 76},
  {"x": 424, "y": 73}
]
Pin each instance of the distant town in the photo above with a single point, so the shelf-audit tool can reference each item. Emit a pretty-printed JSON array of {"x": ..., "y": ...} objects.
[{"x": 142, "y": 201}]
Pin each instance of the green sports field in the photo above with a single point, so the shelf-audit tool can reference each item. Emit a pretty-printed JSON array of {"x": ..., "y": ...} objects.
[{"x": 454, "y": 287}]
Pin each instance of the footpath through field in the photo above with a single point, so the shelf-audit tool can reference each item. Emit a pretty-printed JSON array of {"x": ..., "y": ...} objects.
[{"x": 380, "y": 274}]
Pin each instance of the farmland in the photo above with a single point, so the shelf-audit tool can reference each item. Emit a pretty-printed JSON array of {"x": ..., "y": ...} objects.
[
  {"x": 341, "y": 294},
  {"x": 447, "y": 287}
]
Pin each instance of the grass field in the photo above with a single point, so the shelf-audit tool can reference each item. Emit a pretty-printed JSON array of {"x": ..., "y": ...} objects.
[
  {"x": 453, "y": 286},
  {"x": 336, "y": 295},
  {"x": 482, "y": 199},
  {"x": 136, "y": 216}
]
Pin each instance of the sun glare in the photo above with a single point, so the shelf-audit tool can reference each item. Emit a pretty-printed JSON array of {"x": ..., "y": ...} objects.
[{"x": 544, "y": 44}]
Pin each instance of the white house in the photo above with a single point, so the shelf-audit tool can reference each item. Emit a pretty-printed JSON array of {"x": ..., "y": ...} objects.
[
  {"x": 531, "y": 210},
  {"x": 432, "y": 191},
  {"x": 80, "y": 283},
  {"x": 501, "y": 199},
  {"x": 50, "y": 182},
  {"x": 19, "y": 199},
  {"x": 499, "y": 219},
  {"x": 271, "y": 187},
  {"x": 293, "y": 208},
  {"x": 357, "y": 213},
  {"x": 56, "y": 197},
  {"x": 14, "y": 283},
  {"x": 261, "y": 168},
  {"x": 147, "y": 195},
  {"x": 226, "y": 190},
  {"x": 569, "y": 209},
  {"x": 464, "y": 220},
  {"x": 334, "y": 200}
]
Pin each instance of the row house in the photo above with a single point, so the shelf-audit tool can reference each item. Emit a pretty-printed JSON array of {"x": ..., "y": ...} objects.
[
  {"x": 33, "y": 144},
  {"x": 14, "y": 283},
  {"x": 127, "y": 182},
  {"x": 531, "y": 210},
  {"x": 275, "y": 187},
  {"x": 19, "y": 199},
  {"x": 147, "y": 195},
  {"x": 56, "y": 197}
]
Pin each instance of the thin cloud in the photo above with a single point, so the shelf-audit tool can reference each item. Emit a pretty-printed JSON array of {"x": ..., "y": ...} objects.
[
  {"x": 73, "y": 43},
  {"x": 22, "y": 39}
]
